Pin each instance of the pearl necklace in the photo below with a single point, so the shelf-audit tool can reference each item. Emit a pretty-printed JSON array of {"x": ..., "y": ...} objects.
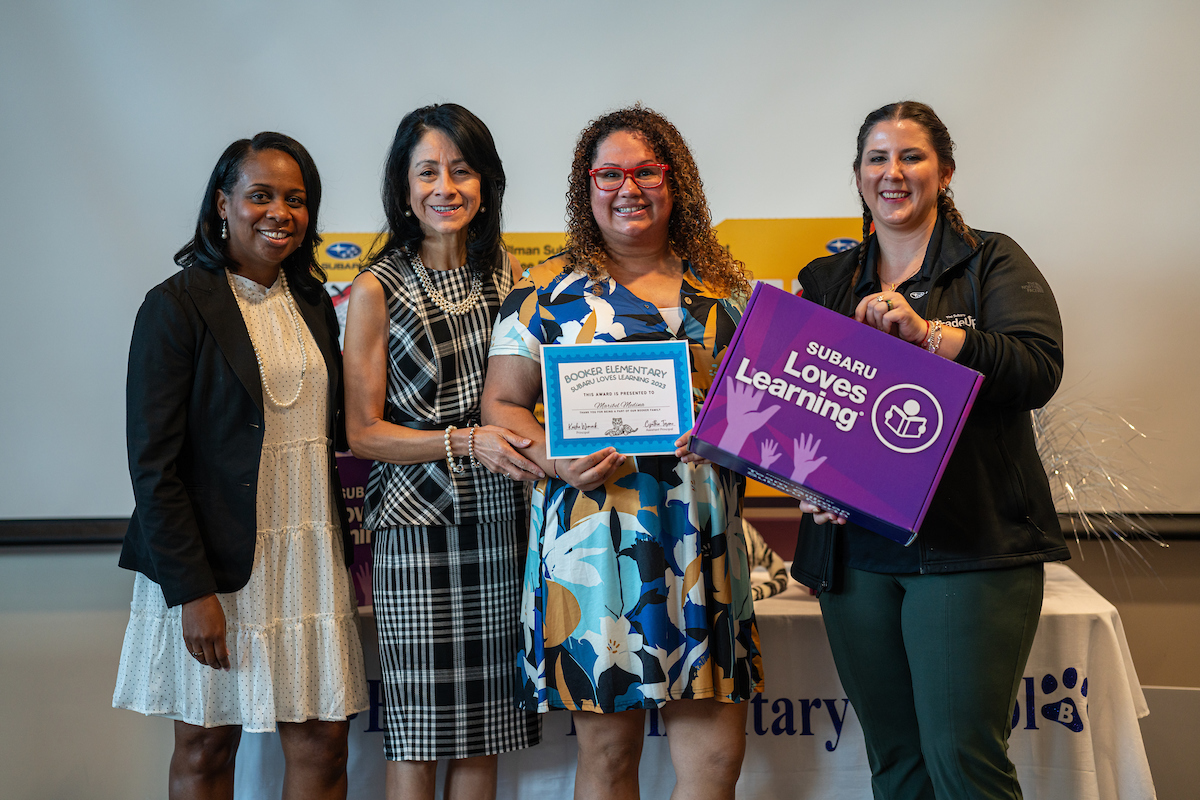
[
  {"x": 439, "y": 299},
  {"x": 289, "y": 306}
]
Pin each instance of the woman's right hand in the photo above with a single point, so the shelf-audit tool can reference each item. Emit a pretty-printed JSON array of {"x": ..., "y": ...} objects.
[
  {"x": 820, "y": 515},
  {"x": 496, "y": 448},
  {"x": 891, "y": 313},
  {"x": 591, "y": 471},
  {"x": 204, "y": 631}
]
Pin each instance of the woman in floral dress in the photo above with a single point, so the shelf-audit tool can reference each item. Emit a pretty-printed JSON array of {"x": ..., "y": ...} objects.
[{"x": 637, "y": 586}]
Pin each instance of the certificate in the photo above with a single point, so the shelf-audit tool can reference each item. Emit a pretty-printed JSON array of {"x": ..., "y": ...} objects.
[{"x": 634, "y": 396}]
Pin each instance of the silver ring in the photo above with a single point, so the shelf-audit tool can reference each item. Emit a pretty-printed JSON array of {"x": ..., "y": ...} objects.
[
  {"x": 195, "y": 655},
  {"x": 880, "y": 299}
]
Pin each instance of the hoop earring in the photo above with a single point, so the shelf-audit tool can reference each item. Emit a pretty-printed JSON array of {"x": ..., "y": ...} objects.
[{"x": 224, "y": 229}]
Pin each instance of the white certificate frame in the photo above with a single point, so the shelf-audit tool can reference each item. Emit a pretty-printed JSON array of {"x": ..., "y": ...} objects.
[{"x": 588, "y": 386}]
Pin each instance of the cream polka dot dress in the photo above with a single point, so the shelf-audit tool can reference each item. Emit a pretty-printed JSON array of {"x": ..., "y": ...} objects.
[{"x": 292, "y": 630}]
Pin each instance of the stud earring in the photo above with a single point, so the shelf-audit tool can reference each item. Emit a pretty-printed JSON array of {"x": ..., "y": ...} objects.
[
  {"x": 482, "y": 209},
  {"x": 408, "y": 212},
  {"x": 224, "y": 229}
]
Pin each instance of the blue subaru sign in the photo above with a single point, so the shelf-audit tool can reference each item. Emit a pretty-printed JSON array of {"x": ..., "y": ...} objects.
[
  {"x": 343, "y": 250},
  {"x": 839, "y": 245}
]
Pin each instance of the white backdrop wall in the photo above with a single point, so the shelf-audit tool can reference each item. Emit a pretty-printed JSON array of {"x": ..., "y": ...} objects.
[{"x": 1076, "y": 123}]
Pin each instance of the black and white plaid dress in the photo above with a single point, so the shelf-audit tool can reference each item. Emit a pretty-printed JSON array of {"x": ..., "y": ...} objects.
[{"x": 447, "y": 582}]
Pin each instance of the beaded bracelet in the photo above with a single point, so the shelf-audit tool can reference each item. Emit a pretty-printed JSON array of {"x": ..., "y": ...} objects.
[
  {"x": 934, "y": 340},
  {"x": 471, "y": 447},
  {"x": 458, "y": 468}
]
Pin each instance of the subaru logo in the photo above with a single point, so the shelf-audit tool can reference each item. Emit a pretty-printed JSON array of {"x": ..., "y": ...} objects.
[
  {"x": 840, "y": 245},
  {"x": 343, "y": 251}
]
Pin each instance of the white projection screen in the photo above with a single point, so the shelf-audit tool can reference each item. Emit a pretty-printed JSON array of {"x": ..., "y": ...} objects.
[{"x": 1076, "y": 126}]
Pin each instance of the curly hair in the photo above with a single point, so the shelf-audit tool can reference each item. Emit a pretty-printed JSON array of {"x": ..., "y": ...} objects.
[
  {"x": 689, "y": 229},
  {"x": 943, "y": 146}
]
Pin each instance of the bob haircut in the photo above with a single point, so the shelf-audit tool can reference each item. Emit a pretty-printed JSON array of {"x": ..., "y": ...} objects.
[
  {"x": 689, "y": 229},
  {"x": 208, "y": 250},
  {"x": 485, "y": 247}
]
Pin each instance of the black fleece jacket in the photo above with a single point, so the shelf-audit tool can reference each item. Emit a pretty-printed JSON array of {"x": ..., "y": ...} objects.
[{"x": 993, "y": 507}]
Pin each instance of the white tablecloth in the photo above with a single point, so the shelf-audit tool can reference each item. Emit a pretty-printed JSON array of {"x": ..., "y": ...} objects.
[{"x": 1075, "y": 731}]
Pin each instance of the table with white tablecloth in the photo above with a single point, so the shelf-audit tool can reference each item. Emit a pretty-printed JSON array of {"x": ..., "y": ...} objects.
[{"x": 1075, "y": 724}]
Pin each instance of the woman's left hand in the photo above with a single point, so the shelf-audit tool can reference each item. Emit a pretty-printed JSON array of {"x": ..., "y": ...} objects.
[
  {"x": 684, "y": 454},
  {"x": 496, "y": 448},
  {"x": 821, "y": 515},
  {"x": 891, "y": 313}
]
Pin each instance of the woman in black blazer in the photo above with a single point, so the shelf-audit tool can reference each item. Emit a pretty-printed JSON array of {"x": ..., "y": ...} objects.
[{"x": 243, "y": 613}]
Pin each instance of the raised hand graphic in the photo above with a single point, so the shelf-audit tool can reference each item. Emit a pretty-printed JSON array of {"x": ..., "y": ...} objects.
[
  {"x": 362, "y": 582},
  {"x": 803, "y": 461},
  {"x": 742, "y": 416},
  {"x": 768, "y": 453}
]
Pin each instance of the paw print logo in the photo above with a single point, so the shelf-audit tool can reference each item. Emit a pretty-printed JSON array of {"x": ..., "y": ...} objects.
[{"x": 1066, "y": 712}]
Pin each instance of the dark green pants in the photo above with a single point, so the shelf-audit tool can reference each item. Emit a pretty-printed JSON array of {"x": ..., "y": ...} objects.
[{"x": 931, "y": 664}]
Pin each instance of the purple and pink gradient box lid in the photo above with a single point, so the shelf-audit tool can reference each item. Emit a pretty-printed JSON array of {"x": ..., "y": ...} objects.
[{"x": 826, "y": 408}]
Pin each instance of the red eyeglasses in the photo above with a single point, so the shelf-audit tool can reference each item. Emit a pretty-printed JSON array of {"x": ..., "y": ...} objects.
[{"x": 647, "y": 176}]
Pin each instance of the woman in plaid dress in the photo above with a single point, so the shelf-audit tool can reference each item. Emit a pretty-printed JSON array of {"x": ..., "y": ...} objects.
[{"x": 444, "y": 498}]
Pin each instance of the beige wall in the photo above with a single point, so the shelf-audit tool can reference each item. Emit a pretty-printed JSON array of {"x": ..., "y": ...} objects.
[
  {"x": 1072, "y": 122},
  {"x": 62, "y": 619},
  {"x": 1156, "y": 589},
  {"x": 1159, "y": 602},
  {"x": 63, "y": 614}
]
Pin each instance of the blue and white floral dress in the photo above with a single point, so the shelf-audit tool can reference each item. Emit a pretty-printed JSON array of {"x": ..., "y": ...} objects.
[{"x": 638, "y": 592}]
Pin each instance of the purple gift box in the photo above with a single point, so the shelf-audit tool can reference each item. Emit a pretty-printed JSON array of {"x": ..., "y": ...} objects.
[{"x": 833, "y": 411}]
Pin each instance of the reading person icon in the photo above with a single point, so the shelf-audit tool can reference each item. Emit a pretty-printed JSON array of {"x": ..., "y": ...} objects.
[{"x": 904, "y": 421}]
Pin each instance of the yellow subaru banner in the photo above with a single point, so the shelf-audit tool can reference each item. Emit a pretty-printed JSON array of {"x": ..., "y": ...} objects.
[
  {"x": 774, "y": 250},
  {"x": 532, "y": 249},
  {"x": 343, "y": 255}
]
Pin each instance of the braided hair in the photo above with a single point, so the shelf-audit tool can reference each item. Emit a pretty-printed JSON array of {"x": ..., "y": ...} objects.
[{"x": 943, "y": 146}]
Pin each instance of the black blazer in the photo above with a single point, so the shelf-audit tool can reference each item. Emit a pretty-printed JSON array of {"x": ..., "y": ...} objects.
[{"x": 194, "y": 430}]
